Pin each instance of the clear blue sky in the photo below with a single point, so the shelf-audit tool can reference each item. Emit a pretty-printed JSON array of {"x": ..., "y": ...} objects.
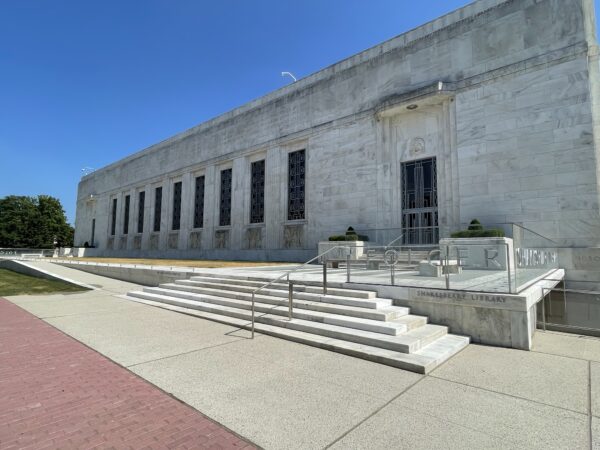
[{"x": 86, "y": 83}]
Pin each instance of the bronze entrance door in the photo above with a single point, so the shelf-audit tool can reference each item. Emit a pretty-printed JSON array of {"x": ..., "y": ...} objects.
[{"x": 419, "y": 202}]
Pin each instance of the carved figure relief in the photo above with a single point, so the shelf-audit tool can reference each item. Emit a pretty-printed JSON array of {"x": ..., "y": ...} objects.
[
  {"x": 221, "y": 238},
  {"x": 173, "y": 240},
  {"x": 254, "y": 237},
  {"x": 293, "y": 235},
  {"x": 417, "y": 146},
  {"x": 195, "y": 239}
]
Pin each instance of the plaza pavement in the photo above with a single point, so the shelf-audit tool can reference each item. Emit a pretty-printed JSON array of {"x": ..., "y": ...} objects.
[{"x": 279, "y": 394}]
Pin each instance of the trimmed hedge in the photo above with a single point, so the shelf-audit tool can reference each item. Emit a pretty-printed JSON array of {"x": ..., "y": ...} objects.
[
  {"x": 492, "y": 232},
  {"x": 349, "y": 236}
]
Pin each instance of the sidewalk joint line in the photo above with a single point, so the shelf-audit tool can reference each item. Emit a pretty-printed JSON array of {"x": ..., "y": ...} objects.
[
  {"x": 507, "y": 395},
  {"x": 186, "y": 353},
  {"x": 374, "y": 413}
]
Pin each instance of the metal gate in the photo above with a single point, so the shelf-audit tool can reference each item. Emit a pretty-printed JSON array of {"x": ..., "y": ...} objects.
[{"x": 419, "y": 202}]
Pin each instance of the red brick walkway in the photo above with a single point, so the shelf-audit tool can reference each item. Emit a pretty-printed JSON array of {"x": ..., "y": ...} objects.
[{"x": 57, "y": 393}]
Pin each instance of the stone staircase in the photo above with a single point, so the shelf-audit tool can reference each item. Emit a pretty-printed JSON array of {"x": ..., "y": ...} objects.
[{"x": 349, "y": 321}]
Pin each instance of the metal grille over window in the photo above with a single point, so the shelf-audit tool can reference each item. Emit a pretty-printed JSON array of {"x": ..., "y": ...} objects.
[
  {"x": 296, "y": 175},
  {"x": 257, "y": 194},
  {"x": 126, "y": 218},
  {"x": 225, "y": 210},
  {"x": 419, "y": 202},
  {"x": 113, "y": 224},
  {"x": 177, "y": 205},
  {"x": 141, "y": 205},
  {"x": 157, "y": 207},
  {"x": 199, "y": 203}
]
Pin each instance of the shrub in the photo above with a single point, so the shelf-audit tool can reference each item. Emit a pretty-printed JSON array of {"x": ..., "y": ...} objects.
[
  {"x": 350, "y": 235},
  {"x": 475, "y": 225},
  {"x": 491, "y": 232}
]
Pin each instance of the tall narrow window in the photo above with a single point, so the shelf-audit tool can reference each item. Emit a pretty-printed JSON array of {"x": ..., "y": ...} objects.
[
  {"x": 113, "y": 223},
  {"x": 177, "y": 205},
  {"x": 296, "y": 175},
  {"x": 141, "y": 206},
  {"x": 257, "y": 192},
  {"x": 126, "y": 215},
  {"x": 157, "y": 207},
  {"x": 199, "y": 203},
  {"x": 225, "y": 209}
]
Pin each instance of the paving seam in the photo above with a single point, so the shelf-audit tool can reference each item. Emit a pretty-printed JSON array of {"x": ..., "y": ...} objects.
[
  {"x": 563, "y": 356},
  {"x": 374, "y": 413},
  {"x": 185, "y": 353},
  {"x": 316, "y": 377},
  {"x": 462, "y": 425},
  {"x": 507, "y": 395},
  {"x": 143, "y": 379},
  {"x": 100, "y": 311}
]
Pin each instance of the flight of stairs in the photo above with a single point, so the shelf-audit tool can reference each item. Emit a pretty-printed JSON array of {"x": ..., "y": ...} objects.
[{"x": 349, "y": 321}]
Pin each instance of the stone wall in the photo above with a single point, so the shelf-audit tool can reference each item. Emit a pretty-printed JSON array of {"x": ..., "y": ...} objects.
[{"x": 511, "y": 126}]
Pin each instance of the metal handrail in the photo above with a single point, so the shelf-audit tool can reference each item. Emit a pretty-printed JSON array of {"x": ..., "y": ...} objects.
[
  {"x": 287, "y": 276},
  {"x": 391, "y": 242}
]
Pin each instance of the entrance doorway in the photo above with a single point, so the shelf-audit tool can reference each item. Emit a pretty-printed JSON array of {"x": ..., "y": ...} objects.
[{"x": 419, "y": 202}]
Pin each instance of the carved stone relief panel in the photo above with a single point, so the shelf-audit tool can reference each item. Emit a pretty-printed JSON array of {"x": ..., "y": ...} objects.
[
  {"x": 254, "y": 237},
  {"x": 154, "y": 241},
  {"x": 173, "y": 241},
  {"x": 221, "y": 239},
  {"x": 293, "y": 236},
  {"x": 137, "y": 242},
  {"x": 195, "y": 239}
]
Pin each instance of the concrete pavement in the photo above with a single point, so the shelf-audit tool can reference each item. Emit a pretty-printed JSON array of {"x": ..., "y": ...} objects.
[{"x": 280, "y": 394}]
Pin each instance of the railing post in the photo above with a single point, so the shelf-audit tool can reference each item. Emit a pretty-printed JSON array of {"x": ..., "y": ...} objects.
[
  {"x": 445, "y": 269},
  {"x": 290, "y": 298},
  {"x": 348, "y": 265},
  {"x": 324, "y": 277},
  {"x": 508, "y": 269},
  {"x": 253, "y": 315}
]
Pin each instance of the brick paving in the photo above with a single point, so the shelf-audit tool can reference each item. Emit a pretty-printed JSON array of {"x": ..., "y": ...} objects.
[{"x": 57, "y": 393}]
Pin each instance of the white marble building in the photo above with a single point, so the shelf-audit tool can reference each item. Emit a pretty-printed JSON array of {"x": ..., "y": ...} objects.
[{"x": 490, "y": 111}]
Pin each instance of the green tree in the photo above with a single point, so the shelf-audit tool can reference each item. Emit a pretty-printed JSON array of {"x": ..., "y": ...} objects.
[{"x": 33, "y": 222}]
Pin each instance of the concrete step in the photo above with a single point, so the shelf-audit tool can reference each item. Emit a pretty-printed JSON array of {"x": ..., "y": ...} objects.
[
  {"x": 300, "y": 291},
  {"x": 283, "y": 285},
  {"x": 421, "y": 361},
  {"x": 394, "y": 327},
  {"x": 408, "y": 342},
  {"x": 382, "y": 314},
  {"x": 316, "y": 303}
]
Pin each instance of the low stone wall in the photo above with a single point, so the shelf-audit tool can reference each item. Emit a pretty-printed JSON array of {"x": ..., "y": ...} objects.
[
  {"x": 504, "y": 320},
  {"x": 582, "y": 266},
  {"x": 26, "y": 269},
  {"x": 147, "y": 276}
]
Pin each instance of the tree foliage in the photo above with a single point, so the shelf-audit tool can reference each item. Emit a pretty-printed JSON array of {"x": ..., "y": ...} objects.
[{"x": 33, "y": 222}]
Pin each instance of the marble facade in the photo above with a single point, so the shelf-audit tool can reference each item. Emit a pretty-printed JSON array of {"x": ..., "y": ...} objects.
[{"x": 503, "y": 93}]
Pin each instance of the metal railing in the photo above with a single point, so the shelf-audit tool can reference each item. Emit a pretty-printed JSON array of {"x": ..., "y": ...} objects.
[
  {"x": 389, "y": 244},
  {"x": 291, "y": 283}
]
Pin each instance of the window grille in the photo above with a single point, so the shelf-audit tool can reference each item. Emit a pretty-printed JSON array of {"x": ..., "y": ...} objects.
[
  {"x": 257, "y": 192},
  {"x": 296, "y": 179},
  {"x": 199, "y": 203},
  {"x": 225, "y": 207}
]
